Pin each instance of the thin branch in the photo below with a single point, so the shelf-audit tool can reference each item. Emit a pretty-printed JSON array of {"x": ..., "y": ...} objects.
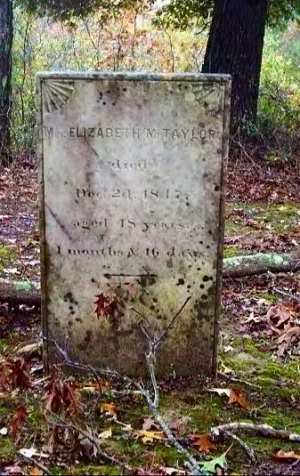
[
  {"x": 289, "y": 295},
  {"x": 191, "y": 464},
  {"x": 58, "y": 421},
  {"x": 262, "y": 430},
  {"x": 154, "y": 343},
  {"x": 88, "y": 368},
  {"x": 165, "y": 332},
  {"x": 36, "y": 463},
  {"x": 232, "y": 378},
  {"x": 249, "y": 451}
]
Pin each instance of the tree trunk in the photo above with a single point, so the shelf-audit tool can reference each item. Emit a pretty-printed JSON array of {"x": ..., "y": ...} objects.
[
  {"x": 235, "y": 47},
  {"x": 6, "y": 38}
]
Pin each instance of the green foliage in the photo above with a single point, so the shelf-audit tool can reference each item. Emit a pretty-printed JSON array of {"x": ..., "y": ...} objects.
[
  {"x": 6, "y": 256},
  {"x": 66, "y": 9},
  {"x": 182, "y": 15},
  {"x": 279, "y": 104},
  {"x": 126, "y": 42},
  {"x": 131, "y": 42}
]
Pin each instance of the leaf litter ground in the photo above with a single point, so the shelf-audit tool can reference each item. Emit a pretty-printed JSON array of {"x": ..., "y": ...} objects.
[{"x": 258, "y": 366}]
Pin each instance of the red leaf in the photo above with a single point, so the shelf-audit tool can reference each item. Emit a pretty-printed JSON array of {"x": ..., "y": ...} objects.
[
  {"x": 17, "y": 421},
  {"x": 105, "y": 306},
  {"x": 102, "y": 303},
  {"x": 19, "y": 375},
  {"x": 60, "y": 396},
  {"x": 4, "y": 377}
]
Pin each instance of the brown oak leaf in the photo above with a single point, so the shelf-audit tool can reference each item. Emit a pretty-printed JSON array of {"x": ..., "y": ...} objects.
[
  {"x": 237, "y": 396},
  {"x": 202, "y": 443},
  {"x": 286, "y": 456},
  {"x": 109, "y": 409}
]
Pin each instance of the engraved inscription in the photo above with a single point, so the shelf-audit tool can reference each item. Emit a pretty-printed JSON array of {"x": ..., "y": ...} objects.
[{"x": 132, "y": 194}]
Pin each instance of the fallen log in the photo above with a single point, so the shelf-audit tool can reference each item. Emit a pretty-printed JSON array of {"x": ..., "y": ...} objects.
[
  {"x": 259, "y": 263},
  {"x": 28, "y": 292},
  {"x": 20, "y": 292}
]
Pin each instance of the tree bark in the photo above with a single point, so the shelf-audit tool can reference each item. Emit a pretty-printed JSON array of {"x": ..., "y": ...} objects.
[
  {"x": 6, "y": 38},
  {"x": 235, "y": 47},
  {"x": 27, "y": 292}
]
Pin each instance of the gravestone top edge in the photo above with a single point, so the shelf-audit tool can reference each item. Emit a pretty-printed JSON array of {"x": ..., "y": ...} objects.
[{"x": 134, "y": 76}]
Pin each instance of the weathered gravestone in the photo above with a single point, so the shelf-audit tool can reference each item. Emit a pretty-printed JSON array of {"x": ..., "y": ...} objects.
[{"x": 132, "y": 216}]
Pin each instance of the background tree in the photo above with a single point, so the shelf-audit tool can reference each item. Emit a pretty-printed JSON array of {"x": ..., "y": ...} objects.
[
  {"x": 235, "y": 46},
  {"x": 6, "y": 37},
  {"x": 235, "y": 42}
]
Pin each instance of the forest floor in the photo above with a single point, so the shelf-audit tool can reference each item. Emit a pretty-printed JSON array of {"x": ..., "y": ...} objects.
[{"x": 258, "y": 355}]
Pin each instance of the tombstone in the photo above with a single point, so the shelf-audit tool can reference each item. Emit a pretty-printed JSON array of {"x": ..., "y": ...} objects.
[{"x": 132, "y": 217}]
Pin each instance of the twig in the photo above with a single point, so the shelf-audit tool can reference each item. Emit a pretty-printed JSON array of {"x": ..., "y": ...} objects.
[
  {"x": 289, "y": 295},
  {"x": 191, "y": 464},
  {"x": 157, "y": 340},
  {"x": 232, "y": 378},
  {"x": 154, "y": 343},
  {"x": 105, "y": 456},
  {"x": 36, "y": 463},
  {"x": 96, "y": 372},
  {"x": 164, "y": 333},
  {"x": 250, "y": 452},
  {"x": 262, "y": 430}
]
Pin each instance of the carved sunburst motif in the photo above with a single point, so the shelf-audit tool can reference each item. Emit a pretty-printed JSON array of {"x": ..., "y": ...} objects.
[
  {"x": 56, "y": 93},
  {"x": 204, "y": 91}
]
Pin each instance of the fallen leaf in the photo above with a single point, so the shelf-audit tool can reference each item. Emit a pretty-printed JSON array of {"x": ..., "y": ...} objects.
[
  {"x": 215, "y": 466},
  {"x": 221, "y": 391},
  {"x": 102, "y": 302},
  {"x": 60, "y": 395},
  {"x": 30, "y": 349},
  {"x": 109, "y": 409},
  {"x": 286, "y": 340},
  {"x": 104, "y": 435},
  {"x": 149, "y": 424},
  {"x": 168, "y": 471},
  {"x": 203, "y": 443},
  {"x": 278, "y": 315},
  {"x": 179, "y": 425},
  {"x": 105, "y": 306},
  {"x": 149, "y": 436},
  {"x": 13, "y": 470},
  {"x": 286, "y": 456},
  {"x": 237, "y": 396},
  {"x": 36, "y": 472},
  {"x": 5, "y": 376},
  {"x": 17, "y": 421},
  {"x": 234, "y": 396},
  {"x": 99, "y": 386},
  {"x": 19, "y": 373},
  {"x": 30, "y": 452}
]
